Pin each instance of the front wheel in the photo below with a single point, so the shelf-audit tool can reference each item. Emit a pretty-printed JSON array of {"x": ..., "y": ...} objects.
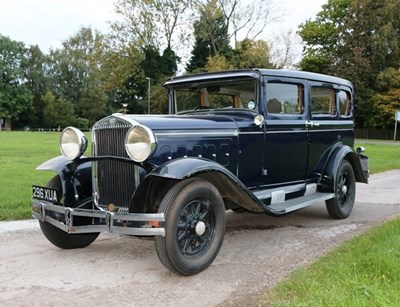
[
  {"x": 342, "y": 204},
  {"x": 58, "y": 237},
  {"x": 64, "y": 240},
  {"x": 194, "y": 227}
]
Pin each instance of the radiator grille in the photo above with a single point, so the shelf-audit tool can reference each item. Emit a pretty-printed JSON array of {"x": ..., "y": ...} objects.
[{"x": 115, "y": 181}]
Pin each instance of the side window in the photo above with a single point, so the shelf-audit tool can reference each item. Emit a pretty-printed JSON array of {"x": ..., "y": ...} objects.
[
  {"x": 344, "y": 103},
  {"x": 284, "y": 98},
  {"x": 323, "y": 101}
]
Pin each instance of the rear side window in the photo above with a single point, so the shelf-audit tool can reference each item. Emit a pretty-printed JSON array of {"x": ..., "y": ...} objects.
[
  {"x": 323, "y": 101},
  {"x": 344, "y": 99},
  {"x": 284, "y": 98}
]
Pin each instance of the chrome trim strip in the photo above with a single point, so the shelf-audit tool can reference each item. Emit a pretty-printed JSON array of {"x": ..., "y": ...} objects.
[
  {"x": 306, "y": 131},
  {"x": 199, "y": 133},
  {"x": 287, "y": 131},
  {"x": 116, "y": 120},
  {"x": 39, "y": 209},
  {"x": 330, "y": 130},
  {"x": 254, "y": 132}
]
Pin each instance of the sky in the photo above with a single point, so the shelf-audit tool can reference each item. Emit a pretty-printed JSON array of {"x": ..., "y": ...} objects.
[{"x": 48, "y": 23}]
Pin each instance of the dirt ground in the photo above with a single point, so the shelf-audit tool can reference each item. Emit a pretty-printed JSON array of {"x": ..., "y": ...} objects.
[{"x": 258, "y": 251}]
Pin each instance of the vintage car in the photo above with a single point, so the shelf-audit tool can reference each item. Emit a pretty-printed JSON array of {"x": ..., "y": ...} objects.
[{"x": 271, "y": 141}]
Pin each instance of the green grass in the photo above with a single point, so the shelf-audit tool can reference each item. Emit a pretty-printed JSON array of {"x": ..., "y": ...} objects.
[
  {"x": 364, "y": 271},
  {"x": 382, "y": 156},
  {"x": 20, "y": 154}
]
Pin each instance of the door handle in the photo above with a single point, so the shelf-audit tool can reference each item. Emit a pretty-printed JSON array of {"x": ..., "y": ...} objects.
[{"x": 311, "y": 124}]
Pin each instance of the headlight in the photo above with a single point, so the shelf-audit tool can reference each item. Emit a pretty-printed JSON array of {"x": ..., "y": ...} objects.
[
  {"x": 73, "y": 143},
  {"x": 140, "y": 143}
]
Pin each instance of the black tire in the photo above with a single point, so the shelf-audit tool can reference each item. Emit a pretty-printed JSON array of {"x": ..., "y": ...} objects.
[
  {"x": 194, "y": 227},
  {"x": 58, "y": 237},
  {"x": 64, "y": 240},
  {"x": 342, "y": 204}
]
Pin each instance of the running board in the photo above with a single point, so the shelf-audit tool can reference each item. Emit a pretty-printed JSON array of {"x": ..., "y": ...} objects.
[{"x": 299, "y": 203}]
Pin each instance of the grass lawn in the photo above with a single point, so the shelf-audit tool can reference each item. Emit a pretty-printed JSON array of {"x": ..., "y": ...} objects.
[
  {"x": 20, "y": 153},
  {"x": 364, "y": 271},
  {"x": 383, "y": 156}
]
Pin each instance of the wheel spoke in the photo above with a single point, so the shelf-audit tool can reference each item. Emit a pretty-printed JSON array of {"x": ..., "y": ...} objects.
[
  {"x": 204, "y": 215},
  {"x": 181, "y": 236},
  {"x": 198, "y": 208},
  {"x": 182, "y": 226},
  {"x": 186, "y": 245}
]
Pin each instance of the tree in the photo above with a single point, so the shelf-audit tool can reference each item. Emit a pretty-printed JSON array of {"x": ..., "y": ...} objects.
[
  {"x": 247, "y": 19},
  {"x": 37, "y": 82},
  {"x": 211, "y": 36},
  {"x": 57, "y": 112},
  {"x": 356, "y": 40},
  {"x": 252, "y": 54},
  {"x": 75, "y": 71},
  {"x": 284, "y": 50},
  {"x": 387, "y": 98},
  {"x": 158, "y": 23},
  {"x": 15, "y": 96}
]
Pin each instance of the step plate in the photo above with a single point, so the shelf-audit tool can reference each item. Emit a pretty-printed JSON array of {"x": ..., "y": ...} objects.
[{"x": 300, "y": 202}]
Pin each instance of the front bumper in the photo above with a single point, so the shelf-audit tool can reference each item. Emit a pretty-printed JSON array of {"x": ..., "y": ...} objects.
[{"x": 136, "y": 224}]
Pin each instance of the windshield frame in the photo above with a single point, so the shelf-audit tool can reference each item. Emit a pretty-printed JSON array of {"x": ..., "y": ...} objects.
[{"x": 228, "y": 83}]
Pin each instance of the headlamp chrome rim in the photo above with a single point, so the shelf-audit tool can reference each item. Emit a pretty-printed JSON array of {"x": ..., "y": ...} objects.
[
  {"x": 73, "y": 143},
  {"x": 140, "y": 143}
]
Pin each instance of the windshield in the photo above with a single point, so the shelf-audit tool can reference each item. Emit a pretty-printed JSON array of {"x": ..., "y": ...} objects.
[{"x": 216, "y": 95}]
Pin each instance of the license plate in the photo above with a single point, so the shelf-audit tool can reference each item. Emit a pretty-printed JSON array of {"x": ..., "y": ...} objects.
[{"x": 44, "y": 193}]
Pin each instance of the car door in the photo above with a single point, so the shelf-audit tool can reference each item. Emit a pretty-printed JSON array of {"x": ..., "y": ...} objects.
[
  {"x": 331, "y": 122},
  {"x": 286, "y": 138}
]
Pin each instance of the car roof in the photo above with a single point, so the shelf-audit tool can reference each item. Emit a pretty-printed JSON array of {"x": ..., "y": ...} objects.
[{"x": 256, "y": 72}]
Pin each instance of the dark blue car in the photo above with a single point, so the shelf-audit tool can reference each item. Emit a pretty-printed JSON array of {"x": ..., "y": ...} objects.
[{"x": 271, "y": 141}]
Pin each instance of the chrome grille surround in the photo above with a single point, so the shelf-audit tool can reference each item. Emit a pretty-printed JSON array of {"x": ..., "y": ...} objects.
[{"x": 114, "y": 181}]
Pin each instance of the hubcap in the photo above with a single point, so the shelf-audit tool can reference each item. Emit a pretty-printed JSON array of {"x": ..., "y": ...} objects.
[{"x": 200, "y": 228}]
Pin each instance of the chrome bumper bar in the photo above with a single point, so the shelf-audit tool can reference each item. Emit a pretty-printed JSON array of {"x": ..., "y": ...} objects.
[{"x": 113, "y": 222}]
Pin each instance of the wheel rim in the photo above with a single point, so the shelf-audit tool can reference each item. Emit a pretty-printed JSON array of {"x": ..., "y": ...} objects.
[
  {"x": 196, "y": 227},
  {"x": 343, "y": 190}
]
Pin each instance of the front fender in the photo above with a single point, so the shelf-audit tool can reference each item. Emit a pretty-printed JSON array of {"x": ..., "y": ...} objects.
[
  {"x": 76, "y": 177},
  {"x": 229, "y": 186},
  {"x": 56, "y": 164},
  {"x": 188, "y": 167}
]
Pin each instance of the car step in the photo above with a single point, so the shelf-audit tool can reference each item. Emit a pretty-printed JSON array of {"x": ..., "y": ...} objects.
[{"x": 299, "y": 202}]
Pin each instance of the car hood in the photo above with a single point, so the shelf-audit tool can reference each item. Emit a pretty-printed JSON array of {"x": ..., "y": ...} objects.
[{"x": 192, "y": 122}]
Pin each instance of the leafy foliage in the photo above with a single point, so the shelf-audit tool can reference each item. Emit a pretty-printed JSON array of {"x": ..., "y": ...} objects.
[
  {"x": 15, "y": 97},
  {"x": 356, "y": 40},
  {"x": 386, "y": 100}
]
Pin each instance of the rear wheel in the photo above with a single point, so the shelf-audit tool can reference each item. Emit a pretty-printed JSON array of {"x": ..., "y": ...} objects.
[
  {"x": 194, "y": 227},
  {"x": 58, "y": 237},
  {"x": 342, "y": 204}
]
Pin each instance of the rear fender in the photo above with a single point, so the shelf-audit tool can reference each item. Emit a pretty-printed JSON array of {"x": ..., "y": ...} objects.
[
  {"x": 76, "y": 178},
  {"x": 340, "y": 153}
]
